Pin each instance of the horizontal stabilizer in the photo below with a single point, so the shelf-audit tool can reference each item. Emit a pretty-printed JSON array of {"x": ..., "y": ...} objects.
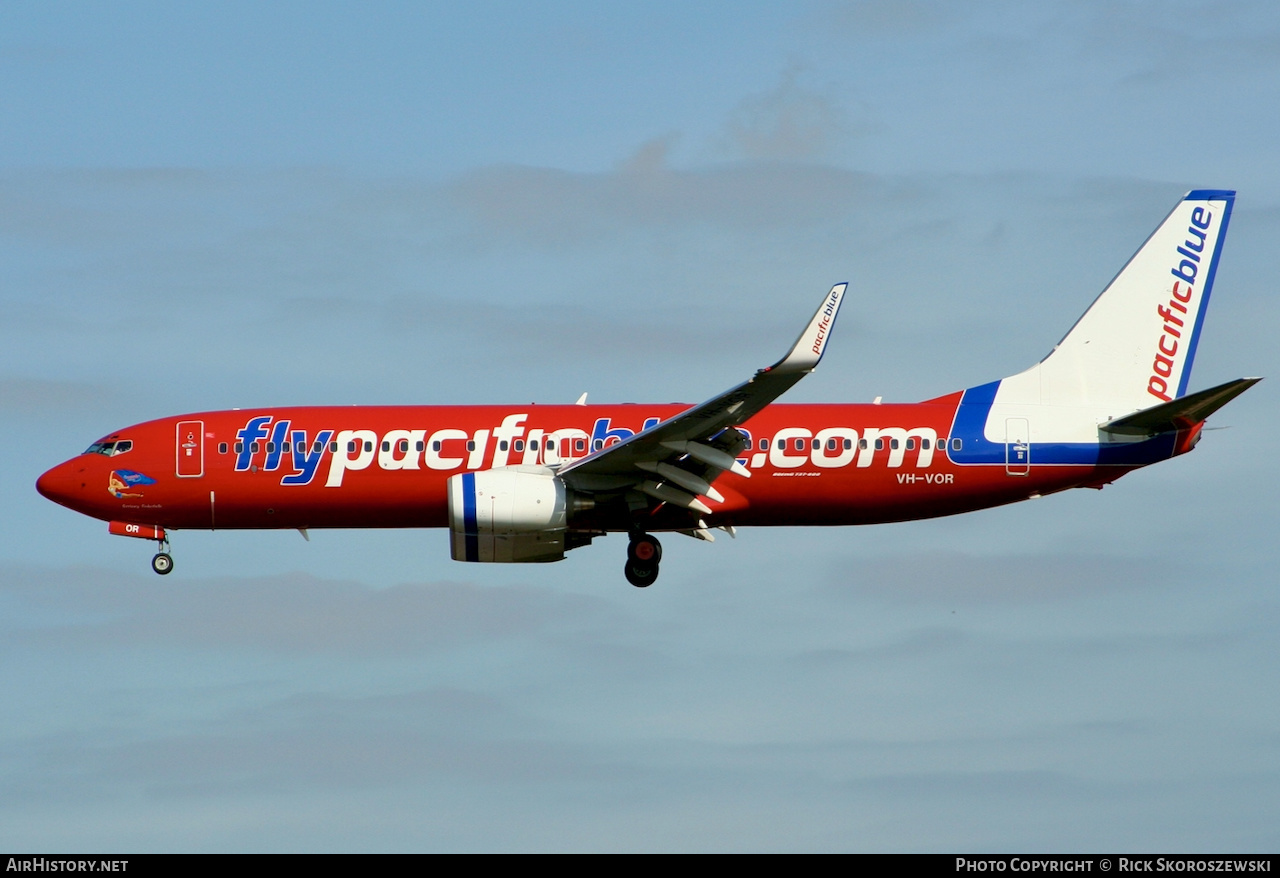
[{"x": 1179, "y": 413}]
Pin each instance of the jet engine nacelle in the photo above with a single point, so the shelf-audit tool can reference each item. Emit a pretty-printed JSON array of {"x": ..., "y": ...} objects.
[{"x": 508, "y": 514}]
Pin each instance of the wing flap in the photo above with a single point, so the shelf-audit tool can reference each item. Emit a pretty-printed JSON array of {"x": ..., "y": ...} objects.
[
  {"x": 670, "y": 494},
  {"x": 689, "y": 481},
  {"x": 712, "y": 457}
]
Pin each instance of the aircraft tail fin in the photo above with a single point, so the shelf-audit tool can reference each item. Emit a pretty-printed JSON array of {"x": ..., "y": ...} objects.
[{"x": 1135, "y": 345}]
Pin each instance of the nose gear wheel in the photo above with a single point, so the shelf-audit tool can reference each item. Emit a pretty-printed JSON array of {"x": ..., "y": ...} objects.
[{"x": 162, "y": 563}]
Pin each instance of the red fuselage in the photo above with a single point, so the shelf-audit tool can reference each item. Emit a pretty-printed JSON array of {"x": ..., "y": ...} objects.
[{"x": 320, "y": 467}]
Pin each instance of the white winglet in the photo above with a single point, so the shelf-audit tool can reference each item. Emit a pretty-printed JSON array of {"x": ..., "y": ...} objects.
[{"x": 807, "y": 350}]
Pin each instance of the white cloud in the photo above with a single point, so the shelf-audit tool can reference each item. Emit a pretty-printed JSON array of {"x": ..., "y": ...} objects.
[{"x": 789, "y": 123}]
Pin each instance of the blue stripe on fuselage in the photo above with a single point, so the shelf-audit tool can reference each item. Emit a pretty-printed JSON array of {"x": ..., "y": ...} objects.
[{"x": 970, "y": 427}]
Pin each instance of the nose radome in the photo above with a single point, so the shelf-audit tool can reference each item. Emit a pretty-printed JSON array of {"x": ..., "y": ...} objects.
[{"x": 59, "y": 484}]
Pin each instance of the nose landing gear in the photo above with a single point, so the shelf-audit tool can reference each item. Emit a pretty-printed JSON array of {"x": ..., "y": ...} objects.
[
  {"x": 162, "y": 563},
  {"x": 643, "y": 554}
]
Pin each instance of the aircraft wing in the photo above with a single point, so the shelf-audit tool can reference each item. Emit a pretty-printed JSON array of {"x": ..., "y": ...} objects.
[{"x": 676, "y": 460}]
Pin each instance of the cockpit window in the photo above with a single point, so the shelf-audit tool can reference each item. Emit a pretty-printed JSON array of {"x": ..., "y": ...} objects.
[{"x": 110, "y": 449}]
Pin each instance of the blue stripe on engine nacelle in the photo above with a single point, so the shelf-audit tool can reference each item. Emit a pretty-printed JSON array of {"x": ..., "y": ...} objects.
[{"x": 469, "y": 529}]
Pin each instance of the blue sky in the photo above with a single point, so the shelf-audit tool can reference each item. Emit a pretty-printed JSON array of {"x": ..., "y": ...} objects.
[{"x": 217, "y": 205}]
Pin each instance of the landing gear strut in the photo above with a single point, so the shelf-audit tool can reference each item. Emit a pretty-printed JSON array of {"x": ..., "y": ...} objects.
[
  {"x": 643, "y": 554},
  {"x": 162, "y": 563}
]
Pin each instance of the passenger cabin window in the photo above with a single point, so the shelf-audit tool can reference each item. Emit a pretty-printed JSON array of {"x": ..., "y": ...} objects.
[
  {"x": 924, "y": 443},
  {"x": 351, "y": 447},
  {"x": 239, "y": 448},
  {"x": 435, "y": 445},
  {"x": 255, "y": 448},
  {"x": 911, "y": 445},
  {"x": 519, "y": 445},
  {"x": 957, "y": 444},
  {"x": 271, "y": 447},
  {"x": 386, "y": 446},
  {"x": 471, "y": 445},
  {"x": 368, "y": 446},
  {"x": 421, "y": 445},
  {"x": 862, "y": 443},
  {"x": 799, "y": 445},
  {"x": 222, "y": 448},
  {"x": 333, "y": 447},
  {"x": 579, "y": 445},
  {"x": 831, "y": 444},
  {"x": 848, "y": 443},
  {"x": 502, "y": 445},
  {"x": 764, "y": 444},
  {"x": 879, "y": 445}
]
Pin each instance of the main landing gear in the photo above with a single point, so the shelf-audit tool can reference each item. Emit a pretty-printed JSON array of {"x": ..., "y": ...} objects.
[
  {"x": 162, "y": 563},
  {"x": 643, "y": 554}
]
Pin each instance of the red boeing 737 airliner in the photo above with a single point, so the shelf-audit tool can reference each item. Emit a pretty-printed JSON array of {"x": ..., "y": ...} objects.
[{"x": 529, "y": 483}]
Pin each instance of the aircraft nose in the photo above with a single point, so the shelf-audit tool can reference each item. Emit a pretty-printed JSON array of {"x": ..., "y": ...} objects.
[{"x": 62, "y": 484}]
